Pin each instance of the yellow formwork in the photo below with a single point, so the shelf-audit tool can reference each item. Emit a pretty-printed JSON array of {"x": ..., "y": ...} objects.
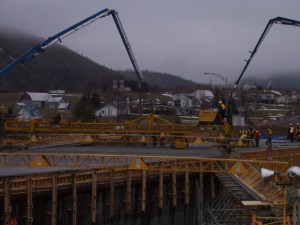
[{"x": 148, "y": 127}]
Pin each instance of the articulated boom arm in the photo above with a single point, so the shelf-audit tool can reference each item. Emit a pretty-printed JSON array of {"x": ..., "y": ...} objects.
[
  {"x": 40, "y": 48},
  {"x": 277, "y": 20}
]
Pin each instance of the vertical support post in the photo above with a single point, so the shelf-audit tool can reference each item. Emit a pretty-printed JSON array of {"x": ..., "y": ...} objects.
[
  {"x": 29, "y": 218},
  {"x": 186, "y": 186},
  {"x": 213, "y": 188},
  {"x": 201, "y": 185},
  {"x": 7, "y": 201},
  {"x": 174, "y": 191},
  {"x": 112, "y": 194},
  {"x": 94, "y": 197},
  {"x": 54, "y": 200},
  {"x": 161, "y": 190},
  {"x": 74, "y": 200},
  {"x": 284, "y": 220},
  {"x": 298, "y": 212},
  {"x": 128, "y": 192},
  {"x": 144, "y": 189},
  {"x": 295, "y": 213}
]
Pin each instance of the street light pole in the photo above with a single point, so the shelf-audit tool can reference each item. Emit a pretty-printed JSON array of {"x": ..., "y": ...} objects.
[
  {"x": 220, "y": 76},
  {"x": 225, "y": 80}
]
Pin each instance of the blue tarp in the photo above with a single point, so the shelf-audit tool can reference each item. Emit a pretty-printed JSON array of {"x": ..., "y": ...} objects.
[{"x": 274, "y": 137}]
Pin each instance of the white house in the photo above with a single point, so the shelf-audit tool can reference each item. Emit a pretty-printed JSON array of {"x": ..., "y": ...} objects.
[
  {"x": 27, "y": 113},
  {"x": 107, "y": 111},
  {"x": 194, "y": 99},
  {"x": 35, "y": 99},
  {"x": 43, "y": 100},
  {"x": 57, "y": 103}
]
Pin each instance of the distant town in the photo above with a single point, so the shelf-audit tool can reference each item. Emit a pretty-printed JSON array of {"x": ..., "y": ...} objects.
[{"x": 250, "y": 105}]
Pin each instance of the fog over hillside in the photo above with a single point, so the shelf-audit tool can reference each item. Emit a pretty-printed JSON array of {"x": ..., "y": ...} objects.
[{"x": 62, "y": 68}]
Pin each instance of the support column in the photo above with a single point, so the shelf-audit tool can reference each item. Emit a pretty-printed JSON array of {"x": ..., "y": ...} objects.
[
  {"x": 54, "y": 200},
  {"x": 201, "y": 196},
  {"x": 212, "y": 185},
  {"x": 201, "y": 185},
  {"x": 94, "y": 197},
  {"x": 29, "y": 218},
  {"x": 144, "y": 188},
  {"x": 174, "y": 191},
  {"x": 298, "y": 212},
  {"x": 186, "y": 187},
  {"x": 7, "y": 201},
  {"x": 112, "y": 194},
  {"x": 161, "y": 190},
  {"x": 74, "y": 200},
  {"x": 128, "y": 192}
]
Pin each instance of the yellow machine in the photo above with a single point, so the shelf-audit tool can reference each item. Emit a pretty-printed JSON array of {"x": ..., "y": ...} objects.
[
  {"x": 147, "y": 129},
  {"x": 207, "y": 116}
]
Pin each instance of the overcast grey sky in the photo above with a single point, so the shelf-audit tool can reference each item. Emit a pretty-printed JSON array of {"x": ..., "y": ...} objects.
[{"x": 184, "y": 38}]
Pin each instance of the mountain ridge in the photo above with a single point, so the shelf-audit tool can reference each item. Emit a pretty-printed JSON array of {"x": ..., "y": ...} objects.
[{"x": 62, "y": 68}]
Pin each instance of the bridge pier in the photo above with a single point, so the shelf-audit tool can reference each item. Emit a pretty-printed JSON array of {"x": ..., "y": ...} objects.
[
  {"x": 7, "y": 201},
  {"x": 128, "y": 192},
  {"x": 94, "y": 197},
  {"x": 174, "y": 190},
  {"x": 29, "y": 217},
  {"x": 54, "y": 200},
  {"x": 161, "y": 189},
  {"x": 144, "y": 189},
  {"x": 112, "y": 194},
  {"x": 74, "y": 199}
]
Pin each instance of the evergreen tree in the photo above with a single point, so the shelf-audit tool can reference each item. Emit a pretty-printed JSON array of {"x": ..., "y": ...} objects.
[{"x": 85, "y": 109}]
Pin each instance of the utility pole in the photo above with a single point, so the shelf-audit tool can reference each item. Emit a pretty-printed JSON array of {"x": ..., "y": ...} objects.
[{"x": 119, "y": 86}]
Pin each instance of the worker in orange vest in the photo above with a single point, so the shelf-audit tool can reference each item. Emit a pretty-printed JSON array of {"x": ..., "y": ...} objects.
[{"x": 257, "y": 138}]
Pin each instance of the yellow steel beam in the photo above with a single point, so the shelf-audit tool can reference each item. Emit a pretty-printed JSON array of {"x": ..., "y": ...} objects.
[
  {"x": 139, "y": 162},
  {"x": 288, "y": 154},
  {"x": 27, "y": 140},
  {"x": 149, "y": 127}
]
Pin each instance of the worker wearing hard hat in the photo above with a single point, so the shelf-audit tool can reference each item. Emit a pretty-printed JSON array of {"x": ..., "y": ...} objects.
[
  {"x": 269, "y": 137},
  {"x": 257, "y": 138},
  {"x": 222, "y": 112},
  {"x": 291, "y": 132}
]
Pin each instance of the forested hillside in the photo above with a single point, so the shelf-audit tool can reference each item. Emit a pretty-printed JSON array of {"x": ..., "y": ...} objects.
[{"x": 62, "y": 68}]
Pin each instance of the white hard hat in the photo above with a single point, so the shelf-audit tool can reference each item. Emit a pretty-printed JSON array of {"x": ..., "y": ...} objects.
[{"x": 220, "y": 102}]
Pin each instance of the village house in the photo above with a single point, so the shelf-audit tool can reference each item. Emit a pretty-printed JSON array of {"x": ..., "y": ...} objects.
[
  {"x": 187, "y": 103},
  {"x": 107, "y": 111},
  {"x": 43, "y": 100},
  {"x": 31, "y": 102},
  {"x": 27, "y": 113}
]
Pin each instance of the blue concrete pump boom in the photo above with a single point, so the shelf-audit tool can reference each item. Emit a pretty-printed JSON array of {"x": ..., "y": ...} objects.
[
  {"x": 40, "y": 48},
  {"x": 277, "y": 20}
]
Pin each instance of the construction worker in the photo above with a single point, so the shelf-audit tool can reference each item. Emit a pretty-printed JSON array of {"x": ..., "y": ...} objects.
[
  {"x": 144, "y": 140},
  {"x": 257, "y": 138},
  {"x": 162, "y": 139},
  {"x": 291, "y": 132},
  {"x": 222, "y": 112},
  {"x": 297, "y": 133},
  {"x": 251, "y": 135},
  {"x": 269, "y": 137},
  {"x": 128, "y": 140},
  {"x": 269, "y": 144}
]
